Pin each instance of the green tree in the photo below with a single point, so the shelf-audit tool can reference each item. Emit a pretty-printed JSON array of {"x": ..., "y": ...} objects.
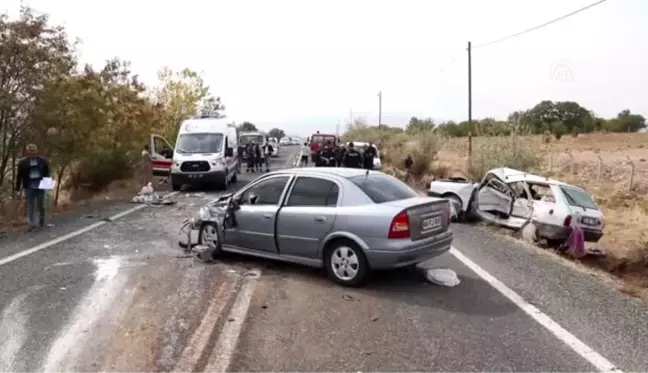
[
  {"x": 211, "y": 106},
  {"x": 247, "y": 127},
  {"x": 277, "y": 132},
  {"x": 180, "y": 94},
  {"x": 417, "y": 125}
]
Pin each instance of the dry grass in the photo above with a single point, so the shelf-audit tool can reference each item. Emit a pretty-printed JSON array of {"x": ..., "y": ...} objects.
[{"x": 625, "y": 209}]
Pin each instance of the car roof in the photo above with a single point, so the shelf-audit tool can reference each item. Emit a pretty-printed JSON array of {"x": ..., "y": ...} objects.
[
  {"x": 342, "y": 172},
  {"x": 512, "y": 175}
]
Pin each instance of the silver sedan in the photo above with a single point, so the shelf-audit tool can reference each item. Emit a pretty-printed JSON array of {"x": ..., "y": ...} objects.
[{"x": 349, "y": 221}]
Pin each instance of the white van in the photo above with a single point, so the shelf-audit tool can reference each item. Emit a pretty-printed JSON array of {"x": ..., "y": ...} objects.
[{"x": 206, "y": 152}]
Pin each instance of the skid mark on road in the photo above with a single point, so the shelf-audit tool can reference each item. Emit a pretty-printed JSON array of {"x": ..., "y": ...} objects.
[
  {"x": 13, "y": 334},
  {"x": 64, "y": 353}
]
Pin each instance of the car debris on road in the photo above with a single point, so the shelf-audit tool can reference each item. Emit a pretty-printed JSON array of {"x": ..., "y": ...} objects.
[{"x": 148, "y": 196}]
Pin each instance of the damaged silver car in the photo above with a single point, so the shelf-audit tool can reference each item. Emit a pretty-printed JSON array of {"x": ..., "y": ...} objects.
[{"x": 348, "y": 221}]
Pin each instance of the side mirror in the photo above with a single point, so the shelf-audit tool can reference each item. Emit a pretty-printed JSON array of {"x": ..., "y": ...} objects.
[
  {"x": 229, "y": 152},
  {"x": 253, "y": 199}
]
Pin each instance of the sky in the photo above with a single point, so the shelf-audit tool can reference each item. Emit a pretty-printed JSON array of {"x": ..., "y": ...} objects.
[{"x": 307, "y": 65}]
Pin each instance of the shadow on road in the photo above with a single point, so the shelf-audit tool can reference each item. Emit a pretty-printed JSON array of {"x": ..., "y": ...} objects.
[{"x": 472, "y": 297}]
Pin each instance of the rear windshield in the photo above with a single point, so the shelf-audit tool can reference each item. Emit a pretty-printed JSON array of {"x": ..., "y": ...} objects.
[
  {"x": 246, "y": 139},
  {"x": 577, "y": 197},
  {"x": 383, "y": 188},
  {"x": 322, "y": 139}
]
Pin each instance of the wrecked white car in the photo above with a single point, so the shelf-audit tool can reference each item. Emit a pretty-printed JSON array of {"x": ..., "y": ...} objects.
[{"x": 513, "y": 199}]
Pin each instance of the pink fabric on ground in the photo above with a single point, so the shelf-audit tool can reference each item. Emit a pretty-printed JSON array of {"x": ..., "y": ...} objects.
[{"x": 576, "y": 242}]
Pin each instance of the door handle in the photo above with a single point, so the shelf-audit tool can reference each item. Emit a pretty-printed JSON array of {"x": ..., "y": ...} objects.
[
  {"x": 320, "y": 218},
  {"x": 267, "y": 216}
]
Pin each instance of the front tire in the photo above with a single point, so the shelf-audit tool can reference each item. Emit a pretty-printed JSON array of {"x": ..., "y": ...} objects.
[
  {"x": 210, "y": 237},
  {"x": 346, "y": 263}
]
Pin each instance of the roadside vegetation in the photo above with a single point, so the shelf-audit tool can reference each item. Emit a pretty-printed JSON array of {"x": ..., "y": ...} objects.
[
  {"x": 557, "y": 139},
  {"x": 91, "y": 122}
]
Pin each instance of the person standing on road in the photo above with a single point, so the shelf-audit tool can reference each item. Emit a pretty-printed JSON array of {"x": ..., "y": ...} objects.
[
  {"x": 340, "y": 150},
  {"x": 352, "y": 158},
  {"x": 326, "y": 156},
  {"x": 305, "y": 154},
  {"x": 267, "y": 151},
  {"x": 251, "y": 160},
  {"x": 31, "y": 170},
  {"x": 369, "y": 155},
  {"x": 146, "y": 166},
  {"x": 258, "y": 156}
]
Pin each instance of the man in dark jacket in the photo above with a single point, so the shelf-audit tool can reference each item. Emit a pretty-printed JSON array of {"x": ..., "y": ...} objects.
[
  {"x": 258, "y": 155},
  {"x": 326, "y": 156},
  {"x": 251, "y": 160},
  {"x": 339, "y": 154},
  {"x": 31, "y": 170},
  {"x": 352, "y": 158},
  {"x": 369, "y": 155}
]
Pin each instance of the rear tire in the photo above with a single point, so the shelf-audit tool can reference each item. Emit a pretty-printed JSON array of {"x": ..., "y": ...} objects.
[
  {"x": 457, "y": 200},
  {"x": 176, "y": 187},
  {"x": 346, "y": 263}
]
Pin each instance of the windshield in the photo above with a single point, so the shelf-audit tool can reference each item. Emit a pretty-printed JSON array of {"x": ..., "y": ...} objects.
[
  {"x": 246, "y": 139},
  {"x": 383, "y": 188},
  {"x": 199, "y": 143},
  {"x": 322, "y": 139},
  {"x": 577, "y": 197}
]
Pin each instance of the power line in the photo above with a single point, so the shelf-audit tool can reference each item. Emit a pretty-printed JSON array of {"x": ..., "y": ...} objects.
[{"x": 539, "y": 26}]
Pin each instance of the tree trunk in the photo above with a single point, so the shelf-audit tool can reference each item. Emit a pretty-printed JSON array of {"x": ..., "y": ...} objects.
[{"x": 59, "y": 178}]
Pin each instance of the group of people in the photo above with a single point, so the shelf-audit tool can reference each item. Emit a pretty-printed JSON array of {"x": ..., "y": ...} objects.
[
  {"x": 340, "y": 156},
  {"x": 256, "y": 155}
]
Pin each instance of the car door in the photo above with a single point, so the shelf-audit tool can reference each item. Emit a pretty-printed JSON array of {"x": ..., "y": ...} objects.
[
  {"x": 494, "y": 200},
  {"x": 256, "y": 214},
  {"x": 522, "y": 210},
  {"x": 162, "y": 155},
  {"x": 307, "y": 216}
]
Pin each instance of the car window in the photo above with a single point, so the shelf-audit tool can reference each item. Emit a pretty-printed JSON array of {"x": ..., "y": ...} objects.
[
  {"x": 577, "y": 197},
  {"x": 383, "y": 188},
  {"x": 268, "y": 191},
  {"x": 311, "y": 191}
]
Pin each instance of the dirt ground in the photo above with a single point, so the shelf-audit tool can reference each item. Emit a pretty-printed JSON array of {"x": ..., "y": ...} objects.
[{"x": 603, "y": 165}]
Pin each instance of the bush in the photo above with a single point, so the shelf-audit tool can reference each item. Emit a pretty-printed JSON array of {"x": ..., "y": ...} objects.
[
  {"x": 101, "y": 168},
  {"x": 501, "y": 152}
]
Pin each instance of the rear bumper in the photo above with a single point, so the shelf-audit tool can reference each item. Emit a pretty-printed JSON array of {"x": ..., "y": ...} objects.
[
  {"x": 406, "y": 252},
  {"x": 559, "y": 232},
  {"x": 193, "y": 178}
]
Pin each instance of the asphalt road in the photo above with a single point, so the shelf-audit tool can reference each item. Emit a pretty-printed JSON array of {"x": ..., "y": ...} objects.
[{"x": 123, "y": 297}]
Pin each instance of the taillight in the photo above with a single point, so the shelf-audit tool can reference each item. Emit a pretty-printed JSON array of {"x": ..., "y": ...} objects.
[
  {"x": 399, "y": 227},
  {"x": 567, "y": 221}
]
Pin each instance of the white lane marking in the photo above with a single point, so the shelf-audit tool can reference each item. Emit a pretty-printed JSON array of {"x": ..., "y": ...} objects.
[
  {"x": 201, "y": 336},
  {"x": 63, "y": 355},
  {"x": 13, "y": 334},
  {"x": 597, "y": 360},
  {"x": 226, "y": 344},
  {"x": 66, "y": 237}
]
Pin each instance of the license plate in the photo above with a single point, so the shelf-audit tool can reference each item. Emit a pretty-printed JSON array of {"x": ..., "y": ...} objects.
[
  {"x": 199, "y": 176},
  {"x": 431, "y": 223},
  {"x": 590, "y": 221}
]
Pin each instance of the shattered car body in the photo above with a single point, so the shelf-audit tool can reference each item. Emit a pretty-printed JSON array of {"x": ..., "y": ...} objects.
[
  {"x": 515, "y": 199},
  {"x": 348, "y": 221}
]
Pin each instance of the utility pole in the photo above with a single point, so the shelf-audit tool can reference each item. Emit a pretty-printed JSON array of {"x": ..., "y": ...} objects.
[
  {"x": 470, "y": 126},
  {"x": 337, "y": 129},
  {"x": 350, "y": 117},
  {"x": 379, "y": 108}
]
